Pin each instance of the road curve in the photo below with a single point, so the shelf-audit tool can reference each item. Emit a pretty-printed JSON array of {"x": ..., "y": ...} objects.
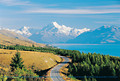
[{"x": 54, "y": 74}]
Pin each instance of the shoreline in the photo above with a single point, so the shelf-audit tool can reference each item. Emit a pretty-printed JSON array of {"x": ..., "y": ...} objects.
[
  {"x": 82, "y": 44},
  {"x": 92, "y": 48}
]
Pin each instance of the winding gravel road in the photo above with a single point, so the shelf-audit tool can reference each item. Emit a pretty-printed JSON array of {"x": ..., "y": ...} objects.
[{"x": 54, "y": 74}]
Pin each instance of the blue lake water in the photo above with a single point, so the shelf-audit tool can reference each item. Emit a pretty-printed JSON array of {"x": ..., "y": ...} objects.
[{"x": 113, "y": 50}]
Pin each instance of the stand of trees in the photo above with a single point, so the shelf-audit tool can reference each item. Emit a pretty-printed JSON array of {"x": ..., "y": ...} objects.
[
  {"x": 62, "y": 52},
  {"x": 95, "y": 67}
]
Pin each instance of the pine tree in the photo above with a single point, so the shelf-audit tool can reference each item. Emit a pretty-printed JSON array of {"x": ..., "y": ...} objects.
[
  {"x": 97, "y": 69},
  {"x": 16, "y": 62},
  {"x": 0, "y": 46},
  {"x": 85, "y": 78},
  {"x": 33, "y": 45},
  {"x": 113, "y": 72},
  {"x": 92, "y": 70},
  {"x": 93, "y": 79},
  {"x": 70, "y": 69},
  {"x": 74, "y": 69},
  {"x": 88, "y": 60}
]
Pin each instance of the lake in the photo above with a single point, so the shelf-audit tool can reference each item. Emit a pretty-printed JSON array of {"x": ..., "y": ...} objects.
[{"x": 113, "y": 50}]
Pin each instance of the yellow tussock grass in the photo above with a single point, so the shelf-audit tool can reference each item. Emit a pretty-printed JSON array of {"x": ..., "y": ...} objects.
[
  {"x": 4, "y": 40},
  {"x": 39, "y": 60}
]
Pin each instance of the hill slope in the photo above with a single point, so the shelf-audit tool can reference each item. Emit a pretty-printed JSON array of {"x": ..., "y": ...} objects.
[
  {"x": 12, "y": 34},
  {"x": 39, "y": 60},
  {"x": 5, "y": 40},
  {"x": 102, "y": 35}
]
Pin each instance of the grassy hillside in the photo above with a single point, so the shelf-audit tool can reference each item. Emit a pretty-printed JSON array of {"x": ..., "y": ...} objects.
[
  {"x": 13, "y": 35},
  {"x": 38, "y": 60},
  {"x": 5, "y": 40}
]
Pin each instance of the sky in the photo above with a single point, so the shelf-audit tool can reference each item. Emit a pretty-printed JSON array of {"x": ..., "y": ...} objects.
[{"x": 90, "y": 14}]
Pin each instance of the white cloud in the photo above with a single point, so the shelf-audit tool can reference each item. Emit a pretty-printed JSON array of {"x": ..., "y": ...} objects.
[
  {"x": 73, "y": 11},
  {"x": 14, "y": 2},
  {"x": 79, "y": 10}
]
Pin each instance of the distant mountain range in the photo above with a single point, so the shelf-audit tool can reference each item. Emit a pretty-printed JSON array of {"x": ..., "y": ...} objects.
[
  {"x": 102, "y": 35},
  {"x": 55, "y": 33},
  {"x": 52, "y": 33}
]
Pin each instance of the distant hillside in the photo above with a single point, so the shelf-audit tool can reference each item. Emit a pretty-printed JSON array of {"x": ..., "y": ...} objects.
[
  {"x": 5, "y": 40},
  {"x": 102, "y": 35},
  {"x": 13, "y": 35}
]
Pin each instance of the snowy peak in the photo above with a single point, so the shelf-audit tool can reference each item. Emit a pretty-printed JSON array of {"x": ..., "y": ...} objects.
[
  {"x": 55, "y": 27},
  {"x": 24, "y": 31},
  {"x": 24, "y": 28},
  {"x": 80, "y": 31}
]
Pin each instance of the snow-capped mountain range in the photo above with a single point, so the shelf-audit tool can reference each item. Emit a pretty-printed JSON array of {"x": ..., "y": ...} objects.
[
  {"x": 55, "y": 27},
  {"x": 52, "y": 33},
  {"x": 55, "y": 33},
  {"x": 102, "y": 35}
]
